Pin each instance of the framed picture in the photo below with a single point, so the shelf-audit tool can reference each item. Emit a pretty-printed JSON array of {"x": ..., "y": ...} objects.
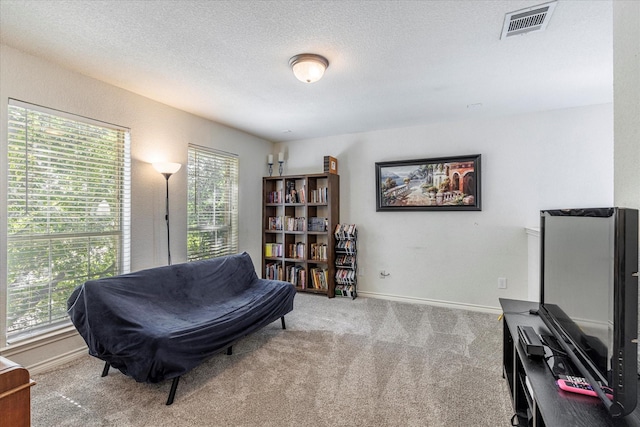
[{"x": 438, "y": 184}]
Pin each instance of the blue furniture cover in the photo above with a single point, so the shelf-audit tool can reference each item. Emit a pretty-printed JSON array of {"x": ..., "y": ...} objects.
[{"x": 159, "y": 323}]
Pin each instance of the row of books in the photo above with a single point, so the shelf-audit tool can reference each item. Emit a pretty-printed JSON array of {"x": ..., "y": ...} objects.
[
  {"x": 346, "y": 232},
  {"x": 296, "y": 275},
  {"x": 319, "y": 251},
  {"x": 275, "y": 223},
  {"x": 289, "y": 223},
  {"x": 274, "y": 197},
  {"x": 318, "y": 223},
  {"x": 348, "y": 246},
  {"x": 345, "y": 276},
  {"x": 298, "y": 195},
  {"x": 319, "y": 278},
  {"x": 273, "y": 250},
  {"x": 346, "y": 291},
  {"x": 319, "y": 195},
  {"x": 294, "y": 195},
  {"x": 348, "y": 261},
  {"x": 273, "y": 271},
  {"x": 296, "y": 250}
]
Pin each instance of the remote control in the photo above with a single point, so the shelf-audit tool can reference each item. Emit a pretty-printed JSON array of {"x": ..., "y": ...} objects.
[{"x": 580, "y": 385}]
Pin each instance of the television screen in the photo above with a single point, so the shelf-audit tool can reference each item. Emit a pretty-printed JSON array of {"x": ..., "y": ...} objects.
[
  {"x": 578, "y": 278},
  {"x": 589, "y": 294}
]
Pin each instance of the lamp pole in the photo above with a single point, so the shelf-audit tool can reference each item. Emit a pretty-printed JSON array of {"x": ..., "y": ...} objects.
[
  {"x": 167, "y": 175},
  {"x": 167, "y": 169}
]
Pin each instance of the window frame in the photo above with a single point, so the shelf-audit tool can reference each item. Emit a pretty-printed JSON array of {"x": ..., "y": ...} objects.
[
  {"x": 215, "y": 159},
  {"x": 122, "y": 185}
]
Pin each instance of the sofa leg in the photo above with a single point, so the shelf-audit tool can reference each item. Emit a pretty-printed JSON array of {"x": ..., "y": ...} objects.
[
  {"x": 283, "y": 325},
  {"x": 172, "y": 392},
  {"x": 229, "y": 350},
  {"x": 105, "y": 370}
]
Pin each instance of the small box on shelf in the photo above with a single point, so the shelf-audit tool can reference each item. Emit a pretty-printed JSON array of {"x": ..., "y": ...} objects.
[{"x": 330, "y": 165}]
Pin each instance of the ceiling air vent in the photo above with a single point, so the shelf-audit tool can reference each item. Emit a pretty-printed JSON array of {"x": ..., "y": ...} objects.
[{"x": 527, "y": 20}]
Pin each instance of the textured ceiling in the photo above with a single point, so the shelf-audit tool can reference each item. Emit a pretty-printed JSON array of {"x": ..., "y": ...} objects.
[{"x": 392, "y": 63}]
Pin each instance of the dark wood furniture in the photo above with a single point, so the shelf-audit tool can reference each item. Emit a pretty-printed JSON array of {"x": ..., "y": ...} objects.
[
  {"x": 15, "y": 394},
  {"x": 534, "y": 393},
  {"x": 318, "y": 196}
]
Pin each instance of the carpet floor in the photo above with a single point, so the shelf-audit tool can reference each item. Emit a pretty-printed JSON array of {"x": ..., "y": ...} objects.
[{"x": 340, "y": 362}]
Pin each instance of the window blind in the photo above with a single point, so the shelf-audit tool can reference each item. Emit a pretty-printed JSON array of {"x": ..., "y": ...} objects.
[
  {"x": 68, "y": 211},
  {"x": 212, "y": 212}
]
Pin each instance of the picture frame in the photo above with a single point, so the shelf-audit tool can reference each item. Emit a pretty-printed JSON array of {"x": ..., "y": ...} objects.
[{"x": 432, "y": 184}]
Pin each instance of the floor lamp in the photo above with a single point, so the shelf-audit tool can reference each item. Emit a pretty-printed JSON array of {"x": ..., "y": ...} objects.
[{"x": 167, "y": 169}]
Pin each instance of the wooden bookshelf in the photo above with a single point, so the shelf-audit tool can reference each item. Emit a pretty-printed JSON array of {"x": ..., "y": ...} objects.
[{"x": 299, "y": 215}]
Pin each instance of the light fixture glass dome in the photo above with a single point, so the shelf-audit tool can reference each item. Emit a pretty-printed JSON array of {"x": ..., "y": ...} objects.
[
  {"x": 308, "y": 67},
  {"x": 166, "y": 167}
]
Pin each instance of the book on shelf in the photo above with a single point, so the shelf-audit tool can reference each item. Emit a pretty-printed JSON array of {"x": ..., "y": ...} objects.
[
  {"x": 348, "y": 246},
  {"x": 293, "y": 194},
  {"x": 295, "y": 224},
  {"x": 346, "y": 232},
  {"x": 274, "y": 197},
  {"x": 345, "y": 276},
  {"x": 297, "y": 250},
  {"x": 296, "y": 275},
  {"x": 319, "y": 251},
  {"x": 317, "y": 224},
  {"x": 345, "y": 291},
  {"x": 275, "y": 223},
  {"x": 273, "y": 271},
  {"x": 347, "y": 261},
  {"x": 320, "y": 195},
  {"x": 319, "y": 277},
  {"x": 273, "y": 250}
]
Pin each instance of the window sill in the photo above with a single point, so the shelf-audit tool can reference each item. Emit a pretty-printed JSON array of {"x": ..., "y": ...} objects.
[{"x": 40, "y": 340}]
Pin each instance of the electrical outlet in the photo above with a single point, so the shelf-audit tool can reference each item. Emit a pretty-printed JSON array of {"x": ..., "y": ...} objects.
[
  {"x": 360, "y": 271},
  {"x": 502, "y": 283}
]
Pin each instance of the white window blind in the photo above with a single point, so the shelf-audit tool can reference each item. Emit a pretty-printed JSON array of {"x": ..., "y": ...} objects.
[
  {"x": 68, "y": 211},
  {"x": 212, "y": 204}
]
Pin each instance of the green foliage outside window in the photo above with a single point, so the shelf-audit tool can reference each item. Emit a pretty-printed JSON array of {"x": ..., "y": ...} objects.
[
  {"x": 65, "y": 199},
  {"x": 212, "y": 213}
]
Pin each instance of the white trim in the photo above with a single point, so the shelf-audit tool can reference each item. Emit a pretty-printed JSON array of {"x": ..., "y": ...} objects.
[
  {"x": 39, "y": 340},
  {"x": 22, "y": 347},
  {"x": 54, "y": 362},
  {"x": 428, "y": 301}
]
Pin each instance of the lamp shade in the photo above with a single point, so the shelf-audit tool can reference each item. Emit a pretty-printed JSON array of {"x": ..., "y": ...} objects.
[
  {"x": 308, "y": 67},
  {"x": 167, "y": 167}
]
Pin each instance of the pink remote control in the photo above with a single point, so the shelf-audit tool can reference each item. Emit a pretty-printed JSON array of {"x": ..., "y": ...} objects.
[{"x": 580, "y": 385}]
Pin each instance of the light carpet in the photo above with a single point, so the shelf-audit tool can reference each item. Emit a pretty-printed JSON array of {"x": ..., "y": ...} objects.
[{"x": 340, "y": 362}]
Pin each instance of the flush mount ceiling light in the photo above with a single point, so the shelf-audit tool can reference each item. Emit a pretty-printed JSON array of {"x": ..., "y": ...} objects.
[{"x": 308, "y": 67}]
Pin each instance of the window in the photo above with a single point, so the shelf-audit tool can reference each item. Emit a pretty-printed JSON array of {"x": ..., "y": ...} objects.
[
  {"x": 68, "y": 212},
  {"x": 212, "y": 206}
]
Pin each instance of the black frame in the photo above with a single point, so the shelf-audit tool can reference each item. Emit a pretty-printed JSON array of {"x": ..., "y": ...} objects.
[
  {"x": 462, "y": 173},
  {"x": 624, "y": 371}
]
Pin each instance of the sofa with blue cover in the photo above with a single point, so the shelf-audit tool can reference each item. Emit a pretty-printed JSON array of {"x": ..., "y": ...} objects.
[{"x": 160, "y": 323}]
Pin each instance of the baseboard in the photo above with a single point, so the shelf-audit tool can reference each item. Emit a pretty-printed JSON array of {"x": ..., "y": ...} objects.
[
  {"x": 56, "y": 361},
  {"x": 427, "y": 301}
]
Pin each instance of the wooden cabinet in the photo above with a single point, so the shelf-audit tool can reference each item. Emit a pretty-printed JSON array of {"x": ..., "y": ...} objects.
[
  {"x": 299, "y": 214},
  {"x": 15, "y": 394}
]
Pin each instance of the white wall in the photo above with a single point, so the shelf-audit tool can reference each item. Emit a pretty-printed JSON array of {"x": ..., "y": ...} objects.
[
  {"x": 530, "y": 162},
  {"x": 158, "y": 132},
  {"x": 626, "y": 84}
]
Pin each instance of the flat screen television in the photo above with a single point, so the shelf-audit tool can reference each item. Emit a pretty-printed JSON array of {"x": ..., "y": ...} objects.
[{"x": 589, "y": 296}]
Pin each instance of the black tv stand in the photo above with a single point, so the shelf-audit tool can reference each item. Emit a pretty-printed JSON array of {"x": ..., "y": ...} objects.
[{"x": 536, "y": 399}]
